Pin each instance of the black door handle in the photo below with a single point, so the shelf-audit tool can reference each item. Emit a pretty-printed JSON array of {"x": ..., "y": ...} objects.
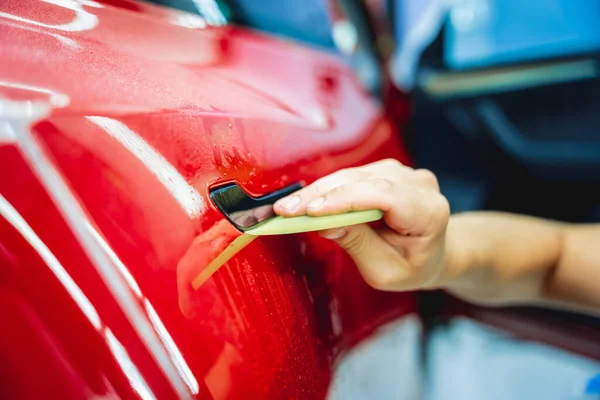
[{"x": 243, "y": 210}]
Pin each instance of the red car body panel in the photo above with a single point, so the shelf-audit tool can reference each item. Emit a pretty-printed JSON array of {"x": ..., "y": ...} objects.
[{"x": 150, "y": 108}]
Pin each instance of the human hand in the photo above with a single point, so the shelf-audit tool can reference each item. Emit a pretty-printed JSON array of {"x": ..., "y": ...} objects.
[{"x": 409, "y": 253}]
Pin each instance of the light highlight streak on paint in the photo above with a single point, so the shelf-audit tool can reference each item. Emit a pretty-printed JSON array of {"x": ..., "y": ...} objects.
[
  {"x": 133, "y": 375},
  {"x": 176, "y": 356},
  {"x": 116, "y": 261},
  {"x": 186, "y": 195},
  {"x": 159, "y": 327},
  {"x": 83, "y": 20},
  {"x": 17, "y": 221}
]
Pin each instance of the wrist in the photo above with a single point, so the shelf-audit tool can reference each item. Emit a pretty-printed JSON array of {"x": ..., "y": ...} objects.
[{"x": 462, "y": 253}]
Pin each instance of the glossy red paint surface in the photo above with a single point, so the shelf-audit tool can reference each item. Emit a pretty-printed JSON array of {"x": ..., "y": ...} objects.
[{"x": 148, "y": 113}]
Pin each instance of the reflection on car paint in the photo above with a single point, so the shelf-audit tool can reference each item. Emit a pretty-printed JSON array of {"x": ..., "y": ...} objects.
[
  {"x": 115, "y": 260},
  {"x": 75, "y": 217},
  {"x": 203, "y": 257},
  {"x": 54, "y": 98},
  {"x": 16, "y": 220},
  {"x": 82, "y": 20},
  {"x": 129, "y": 368},
  {"x": 163, "y": 334},
  {"x": 186, "y": 195}
]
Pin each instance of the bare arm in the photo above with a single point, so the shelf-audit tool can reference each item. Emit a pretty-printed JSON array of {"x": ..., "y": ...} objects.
[
  {"x": 486, "y": 258},
  {"x": 499, "y": 259}
]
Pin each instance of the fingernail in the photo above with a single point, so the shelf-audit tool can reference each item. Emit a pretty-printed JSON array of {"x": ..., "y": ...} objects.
[
  {"x": 289, "y": 203},
  {"x": 316, "y": 203},
  {"x": 335, "y": 234}
]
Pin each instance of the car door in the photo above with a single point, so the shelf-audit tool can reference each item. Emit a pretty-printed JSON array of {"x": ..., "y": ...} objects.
[{"x": 117, "y": 122}]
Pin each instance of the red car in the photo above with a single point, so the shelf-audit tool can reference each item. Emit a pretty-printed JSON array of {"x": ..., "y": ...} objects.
[
  {"x": 120, "y": 122},
  {"x": 116, "y": 125}
]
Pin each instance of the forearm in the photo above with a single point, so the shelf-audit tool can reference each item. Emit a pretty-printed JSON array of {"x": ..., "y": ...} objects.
[
  {"x": 503, "y": 259},
  {"x": 576, "y": 278}
]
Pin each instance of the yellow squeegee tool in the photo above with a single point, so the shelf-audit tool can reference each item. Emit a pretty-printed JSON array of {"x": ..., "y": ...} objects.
[
  {"x": 305, "y": 223},
  {"x": 285, "y": 226}
]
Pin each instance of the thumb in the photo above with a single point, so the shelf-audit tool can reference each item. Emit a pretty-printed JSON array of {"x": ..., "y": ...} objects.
[{"x": 381, "y": 266}]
